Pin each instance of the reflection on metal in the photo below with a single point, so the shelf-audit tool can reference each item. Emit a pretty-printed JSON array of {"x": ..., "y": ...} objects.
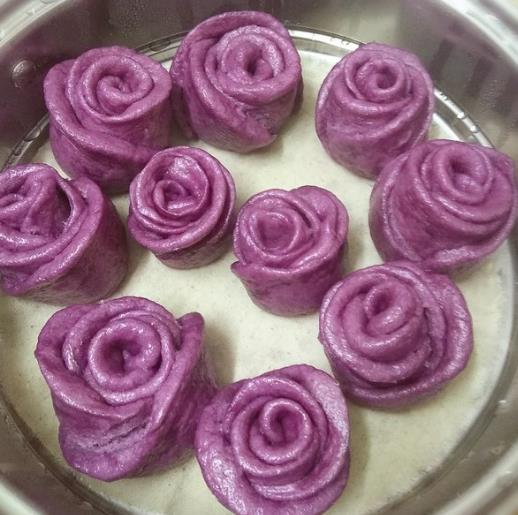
[{"x": 23, "y": 73}]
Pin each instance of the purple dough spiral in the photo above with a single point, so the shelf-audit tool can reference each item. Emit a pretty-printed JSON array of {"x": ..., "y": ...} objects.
[
  {"x": 128, "y": 383},
  {"x": 236, "y": 79},
  {"x": 278, "y": 443},
  {"x": 110, "y": 111},
  {"x": 290, "y": 247},
  {"x": 375, "y": 104},
  {"x": 444, "y": 205},
  {"x": 182, "y": 207},
  {"x": 394, "y": 333},
  {"x": 60, "y": 241}
]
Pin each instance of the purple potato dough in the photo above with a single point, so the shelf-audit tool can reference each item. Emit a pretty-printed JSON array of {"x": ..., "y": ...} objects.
[
  {"x": 375, "y": 104},
  {"x": 236, "y": 79},
  {"x": 278, "y": 443},
  {"x": 290, "y": 247},
  {"x": 110, "y": 112},
  {"x": 182, "y": 207},
  {"x": 445, "y": 205},
  {"x": 128, "y": 383},
  {"x": 61, "y": 241},
  {"x": 394, "y": 334}
]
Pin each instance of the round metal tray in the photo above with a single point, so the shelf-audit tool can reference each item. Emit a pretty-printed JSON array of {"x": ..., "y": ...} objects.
[{"x": 410, "y": 461}]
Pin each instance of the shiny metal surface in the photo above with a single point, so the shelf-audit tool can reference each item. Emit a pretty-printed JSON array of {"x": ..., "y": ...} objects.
[{"x": 471, "y": 50}]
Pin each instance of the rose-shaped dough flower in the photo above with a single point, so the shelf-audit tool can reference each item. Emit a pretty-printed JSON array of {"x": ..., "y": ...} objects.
[
  {"x": 444, "y": 204},
  {"x": 394, "y": 333},
  {"x": 375, "y": 104},
  {"x": 182, "y": 207},
  {"x": 60, "y": 241},
  {"x": 128, "y": 383},
  {"x": 290, "y": 247},
  {"x": 278, "y": 443},
  {"x": 109, "y": 111},
  {"x": 236, "y": 79}
]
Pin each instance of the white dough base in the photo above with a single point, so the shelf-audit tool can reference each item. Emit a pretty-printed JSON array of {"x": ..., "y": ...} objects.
[{"x": 391, "y": 451}]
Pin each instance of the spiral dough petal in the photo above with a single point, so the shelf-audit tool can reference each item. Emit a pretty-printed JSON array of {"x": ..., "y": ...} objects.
[
  {"x": 182, "y": 207},
  {"x": 394, "y": 333},
  {"x": 109, "y": 113},
  {"x": 290, "y": 247},
  {"x": 128, "y": 382},
  {"x": 375, "y": 104},
  {"x": 445, "y": 205},
  {"x": 60, "y": 241},
  {"x": 278, "y": 443},
  {"x": 236, "y": 79}
]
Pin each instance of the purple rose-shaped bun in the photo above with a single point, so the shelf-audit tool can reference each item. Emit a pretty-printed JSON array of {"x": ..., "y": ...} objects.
[
  {"x": 182, "y": 207},
  {"x": 445, "y": 205},
  {"x": 128, "y": 383},
  {"x": 375, "y": 104},
  {"x": 236, "y": 79},
  {"x": 61, "y": 241},
  {"x": 278, "y": 443},
  {"x": 290, "y": 247},
  {"x": 394, "y": 333},
  {"x": 109, "y": 111}
]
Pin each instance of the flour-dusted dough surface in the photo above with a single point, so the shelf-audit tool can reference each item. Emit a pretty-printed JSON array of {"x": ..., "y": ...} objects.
[{"x": 390, "y": 451}]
